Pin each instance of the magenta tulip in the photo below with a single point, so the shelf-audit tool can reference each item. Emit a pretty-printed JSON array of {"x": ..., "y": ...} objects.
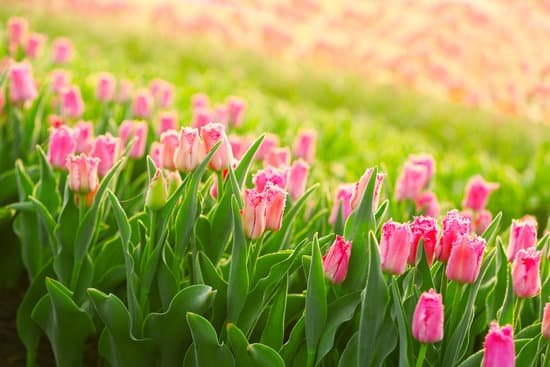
[
  {"x": 465, "y": 259},
  {"x": 427, "y": 326},
  {"x": 72, "y": 103},
  {"x": 424, "y": 228},
  {"x": 168, "y": 120},
  {"x": 22, "y": 85},
  {"x": 275, "y": 176},
  {"x": 254, "y": 213},
  {"x": 395, "y": 246},
  {"x": 523, "y": 235},
  {"x": 34, "y": 45},
  {"x": 336, "y": 260},
  {"x": 477, "y": 193},
  {"x": 499, "y": 347},
  {"x": 62, "y": 143},
  {"x": 526, "y": 273},
  {"x": 143, "y": 104},
  {"x": 454, "y": 226},
  {"x": 107, "y": 149}
]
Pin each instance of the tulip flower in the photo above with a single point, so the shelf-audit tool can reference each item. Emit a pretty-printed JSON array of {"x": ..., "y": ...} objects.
[
  {"x": 201, "y": 117},
  {"x": 268, "y": 144},
  {"x": 107, "y": 149},
  {"x": 22, "y": 86},
  {"x": 34, "y": 45},
  {"x": 83, "y": 134},
  {"x": 168, "y": 120},
  {"x": 275, "y": 206},
  {"x": 424, "y": 228},
  {"x": 275, "y": 176},
  {"x": 411, "y": 181},
  {"x": 545, "y": 327},
  {"x": 143, "y": 104},
  {"x": 483, "y": 219},
  {"x": 361, "y": 186},
  {"x": 170, "y": 141},
  {"x": 304, "y": 145},
  {"x": 154, "y": 152},
  {"x": 62, "y": 144},
  {"x": 427, "y": 325},
  {"x": 395, "y": 246},
  {"x": 336, "y": 260},
  {"x": 200, "y": 100},
  {"x": 220, "y": 115},
  {"x": 157, "y": 193},
  {"x": 239, "y": 145},
  {"x": 454, "y": 226},
  {"x": 523, "y": 235},
  {"x": 62, "y": 50},
  {"x": 278, "y": 157},
  {"x": 235, "y": 110},
  {"x": 72, "y": 104},
  {"x": 124, "y": 91},
  {"x": 59, "y": 80},
  {"x": 17, "y": 30},
  {"x": 465, "y": 259},
  {"x": 427, "y": 204},
  {"x": 162, "y": 91},
  {"x": 254, "y": 213},
  {"x": 428, "y": 162},
  {"x": 297, "y": 179},
  {"x": 173, "y": 181},
  {"x": 343, "y": 200},
  {"x": 134, "y": 129},
  {"x": 83, "y": 173},
  {"x": 55, "y": 121},
  {"x": 211, "y": 134},
  {"x": 499, "y": 347},
  {"x": 190, "y": 151},
  {"x": 526, "y": 273},
  {"x": 477, "y": 193},
  {"x": 105, "y": 88}
]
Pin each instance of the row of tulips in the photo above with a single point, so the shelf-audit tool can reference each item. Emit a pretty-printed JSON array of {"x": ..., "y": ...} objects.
[{"x": 182, "y": 256}]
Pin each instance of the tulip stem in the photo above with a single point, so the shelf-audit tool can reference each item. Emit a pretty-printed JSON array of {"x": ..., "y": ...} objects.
[
  {"x": 517, "y": 313},
  {"x": 219, "y": 176},
  {"x": 547, "y": 355},
  {"x": 421, "y": 355}
]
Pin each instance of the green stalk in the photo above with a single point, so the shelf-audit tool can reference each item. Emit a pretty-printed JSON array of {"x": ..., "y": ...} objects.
[
  {"x": 421, "y": 355},
  {"x": 546, "y": 362},
  {"x": 518, "y": 308}
]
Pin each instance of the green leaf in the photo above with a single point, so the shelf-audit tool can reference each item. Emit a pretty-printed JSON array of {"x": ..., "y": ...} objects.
[
  {"x": 525, "y": 357},
  {"x": 422, "y": 274},
  {"x": 474, "y": 360},
  {"x": 497, "y": 294},
  {"x": 274, "y": 327},
  {"x": 349, "y": 356},
  {"x": 267, "y": 261},
  {"x": 402, "y": 325},
  {"x": 208, "y": 351},
  {"x": 46, "y": 188},
  {"x": 251, "y": 355},
  {"x": 237, "y": 289},
  {"x": 295, "y": 341},
  {"x": 492, "y": 228},
  {"x": 211, "y": 277},
  {"x": 244, "y": 164}
]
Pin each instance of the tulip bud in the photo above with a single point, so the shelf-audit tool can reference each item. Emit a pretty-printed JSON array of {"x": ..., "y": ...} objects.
[
  {"x": 107, "y": 149},
  {"x": 223, "y": 157},
  {"x": 83, "y": 173},
  {"x": 343, "y": 200},
  {"x": 201, "y": 117},
  {"x": 523, "y": 235},
  {"x": 190, "y": 151},
  {"x": 411, "y": 181},
  {"x": 134, "y": 129},
  {"x": 268, "y": 144},
  {"x": 105, "y": 89},
  {"x": 200, "y": 100},
  {"x": 72, "y": 106},
  {"x": 168, "y": 120},
  {"x": 336, "y": 260},
  {"x": 275, "y": 176},
  {"x": 395, "y": 246},
  {"x": 34, "y": 45},
  {"x": 157, "y": 193},
  {"x": 428, "y": 162},
  {"x": 124, "y": 91},
  {"x": 465, "y": 259},
  {"x": 545, "y": 327},
  {"x": 427, "y": 204},
  {"x": 62, "y": 143},
  {"x": 162, "y": 91},
  {"x": 526, "y": 273},
  {"x": 83, "y": 134},
  {"x": 275, "y": 206},
  {"x": 454, "y": 226},
  {"x": 17, "y": 30},
  {"x": 304, "y": 145},
  {"x": 424, "y": 228},
  {"x": 169, "y": 140},
  {"x": 499, "y": 347},
  {"x": 483, "y": 219},
  {"x": 235, "y": 110},
  {"x": 59, "y": 80},
  {"x": 477, "y": 193},
  {"x": 22, "y": 86},
  {"x": 278, "y": 157},
  {"x": 173, "y": 181},
  {"x": 143, "y": 104},
  {"x": 361, "y": 186},
  {"x": 219, "y": 115},
  {"x": 62, "y": 50},
  {"x": 297, "y": 179},
  {"x": 239, "y": 145},
  {"x": 154, "y": 152},
  {"x": 254, "y": 213},
  {"x": 427, "y": 326}
]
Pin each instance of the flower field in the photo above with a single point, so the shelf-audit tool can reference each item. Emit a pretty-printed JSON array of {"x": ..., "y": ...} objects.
[{"x": 171, "y": 201}]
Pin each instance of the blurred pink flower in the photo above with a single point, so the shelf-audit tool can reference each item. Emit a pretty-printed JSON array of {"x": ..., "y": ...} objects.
[
  {"x": 72, "y": 103},
  {"x": 83, "y": 173},
  {"x": 107, "y": 149},
  {"x": 62, "y": 143},
  {"x": 343, "y": 200},
  {"x": 477, "y": 193},
  {"x": 22, "y": 85},
  {"x": 62, "y": 50}
]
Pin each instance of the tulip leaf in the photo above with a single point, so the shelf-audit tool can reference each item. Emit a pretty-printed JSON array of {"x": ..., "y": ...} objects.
[
  {"x": 212, "y": 277},
  {"x": 237, "y": 289},
  {"x": 251, "y": 355},
  {"x": 492, "y": 228},
  {"x": 498, "y": 292},
  {"x": 46, "y": 188},
  {"x": 381, "y": 211},
  {"x": 244, "y": 164},
  {"x": 474, "y": 360},
  {"x": 402, "y": 325},
  {"x": 208, "y": 351},
  {"x": 296, "y": 339},
  {"x": 422, "y": 274},
  {"x": 274, "y": 327},
  {"x": 525, "y": 356},
  {"x": 349, "y": 356},
  {"x": 265, "y": 262},
  {"x": 66, "y": 237}
]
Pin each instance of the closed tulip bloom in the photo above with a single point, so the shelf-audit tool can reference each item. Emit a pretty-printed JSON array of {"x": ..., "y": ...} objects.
[
  {"x": 477, "y": 193},
  {"x": 220, "y": 115},
  {"x": 166, "y": 96},
  {"x": 105, "y": 88},
  {"x": 173, "y": 181},
  {"x": 424, "y": 228},
  {"x": 395, "y": 246},
  {"x": 62, "y": 50},
  {"x": 170, "y": 141},
  {"x": 22, "y": 86},
  {"x": 483, "y": 219},
  {"x": 154, "y": 152},
  {"x": 200, "y": 100},
  {"x": 83, "y": 173},
  {"x": 278, "y": 157},
  {"x": 107, "y": 149},
  {"x": 239, "y": 145},
  {"x": 83, "y": 134},
  {"x": 17, "y": 30},
  {"x": 427, "y": 204},
  {"x": 254, "y": 213},
  {"x": 201, "y": 117},
  {"x": 211, "y": 134},
  {"x": 235, "y": 110},
  {"x": 268, "y": 144},
  {"x": 34, "y": 45},
  {"x": 499, "y": 347},
  {"x": 275, "y": 206},
  {"x": 157, "y": 193},
  {"x": 427, "y": 326},
  {"x": 526, "y": 273},
  {"x": 297, "y": 179},
  {"x": 342, "y": 200},
  {"x": 454, "y": 226},
  {"x": 143, "y": 104},
  {"x": 59, "y": 80},
  {"x": 428, "y": 162},
  {"x": 137, "y": 130},
  {"x": 72, "y": 103},
  {"x": 523, "y": 235},
  {"x": 168, "y": 120},
  {"x": 124, "y": 91},
  {"x": 276, "y": 176},
  {"x": 336, "y": 260},
  {"x": 190, "y": 151},
  {"x": 304, "y": 145},
  {"x": 545, "y": 327},
  {"x": 62, "y": 143},
  {"x": 465, "y": 259},
  {"x": 411, "y": 181},
  {"x": 361, "y": 186}
]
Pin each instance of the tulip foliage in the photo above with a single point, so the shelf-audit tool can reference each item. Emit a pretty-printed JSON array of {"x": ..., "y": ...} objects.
[{"x": 211, "y": 250}]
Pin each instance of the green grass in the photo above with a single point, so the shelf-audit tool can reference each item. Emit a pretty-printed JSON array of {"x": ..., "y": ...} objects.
[{"x": 359, "y": 125}]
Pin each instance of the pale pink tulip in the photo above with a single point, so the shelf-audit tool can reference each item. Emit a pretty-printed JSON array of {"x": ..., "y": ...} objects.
[
  {"x": 223, "y": 157},
  {"x": 169, "y": 140},
  {"x": 278, "y": 157},
  {"x": 526, "y": 273},
  {"x": 62, "y": 143},
  {"x": 275, "y": 206},
  {"x": 62, "y": 50},
  {"x": 343, "y": 201},
  {"x": 107, "y": 149},
  {"x": 361, "y": 186},
  {"x": 190, "y": 151},
  {"x": 523, "y": 235},
  {"x": 22, "y": 85},
  {"x": 83, "y": 173},
  {"x": 143, "y": 104},
  {"x": 304, "y": 145},
  {"x": 72, "y": 103},
  {"x": 427, "y": 204},
  {"x": 105, "y": 88},
  {"x": 276, "y": 176},
  {"x": 235, "y": 110},
  {"x": 83, "y": 133},
  {"x": 254, "y": 213},
  {"x": 297, "y": 179},
  {"x": 465, "y": 259},
  {"x": 35, "y": 42}
]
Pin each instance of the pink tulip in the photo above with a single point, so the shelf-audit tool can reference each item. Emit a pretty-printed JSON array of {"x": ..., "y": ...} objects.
[
  {"x": 424, "y": 228},
  {"x": 526, "y": 273},
  {"x": 55, "y": 121},
  {"x": 523, "y": 235},
  {"x": 297, "y": 179},
  {"x": 163, "y": 92},
  {"x": 83, "y": 173},
  {"x": 107, "y": 149},
  {"x": 211, "y": 134},
  {"x": 239, "y": 145},
  {"x": 395, "y": 246},
  {"x": 411, "y": 181},
  {"x": 201, "y": 117},
  {"x": 220, "y": 115},
  {"x": 34, "y": 45},
  {"x": 72, "y": 106},
  {"x": 427, "y": 204},
  {"x": 17, "y": 30},
  {"x": 336, "y": 260},
  {"x": 477, "y": 193},
  {"x": 62, "y": 143},
  {"x": 304, "y": 145},
  {"x": 199, "y": 101},
  {"x": 268, "y": 144},
  {"x": 465, "y": 259},
  {"x": 361, "y": 186},
  {"x": 83, "y": 134},
  {"x": 168, "y": 120},
  {"x": 343, "y": 200},
  {"x": 254, "y": 213},
  {"x": 275, "y": 206},
  {"x": 499, "y": 347},
  {"x": 483, "y": 219},
  {"x": 105, "y": 89},
  {"x": 454, "y": 226},
  {"x": 124, "y": 92},
  {"x": 235, "y": 110},
  {"x": 427, "y": 326},
  {"x": 275, "y": 176},
  {"x": 278, "y": 157},
  {"x": 154, "y": 152},
  {"x": 62, "y": 50},
  {"x": 428, "y": 162},
  {"x": 143, "y": 104},
  {"x": 545, "y": 327},
  {"x": 59, "y": 80},
  {"x": 169, "y": 140},
  {"x": 190, "y": 151},
  {"x": 130, "y": 129},
  {"x": 22, "y": 85}
]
